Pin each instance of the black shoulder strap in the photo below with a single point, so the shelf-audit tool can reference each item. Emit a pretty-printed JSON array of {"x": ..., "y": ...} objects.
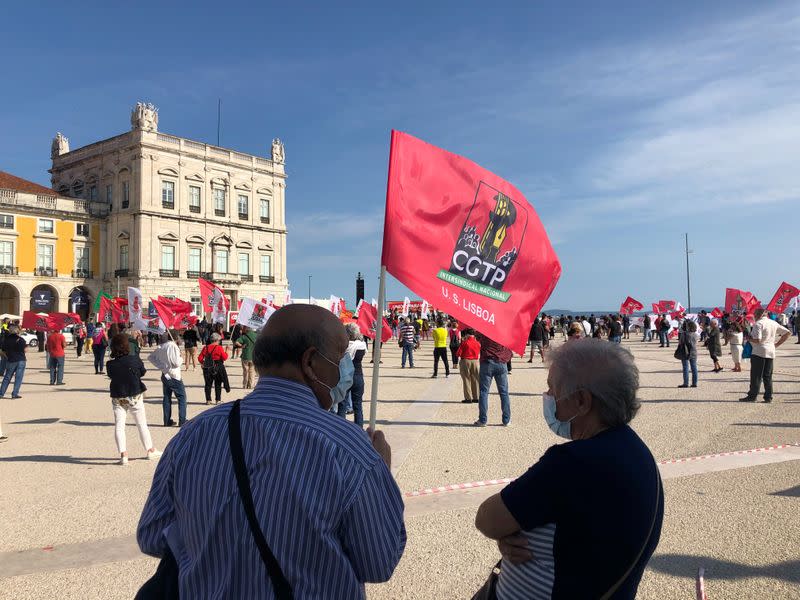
[{"x": 279, "y": 583}]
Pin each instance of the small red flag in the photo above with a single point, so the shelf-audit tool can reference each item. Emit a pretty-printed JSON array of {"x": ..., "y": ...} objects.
[
  {"x": 111, "y": 312},
  {"x": 667, "y": 305},
  {"x": 630, "y": 306},
  {"x": 173, "y": 312},
  {"x": 717, "y": 313},
  {"x": 780, "y": 301},
  {"x": 657, "y": 308},
  {"x": 467, "y": 240},
  {"x": 367, "y": 318}
]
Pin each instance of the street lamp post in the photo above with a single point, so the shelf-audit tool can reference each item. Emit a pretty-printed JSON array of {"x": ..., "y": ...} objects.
[{"x": 688, "y": 283}]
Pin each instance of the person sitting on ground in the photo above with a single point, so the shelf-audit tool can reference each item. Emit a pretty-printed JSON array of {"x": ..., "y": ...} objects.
[
  {"x": 552, "y": 544},
  {"x": 323, "y": 493},
  {"x": 127, "y": 395},
  {"x": 212, "y": 360}
]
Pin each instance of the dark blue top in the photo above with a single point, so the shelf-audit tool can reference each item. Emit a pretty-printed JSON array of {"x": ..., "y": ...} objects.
[
  {"x": 601, "y": 494},
  {"x": 14, "y": 347}
]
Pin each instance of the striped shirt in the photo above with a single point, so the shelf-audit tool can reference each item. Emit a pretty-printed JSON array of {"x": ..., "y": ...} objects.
[
  {"x": 327, "y": 503},
  {"x": 533, "y": 579},
  {"x": 407, "y": 333}
]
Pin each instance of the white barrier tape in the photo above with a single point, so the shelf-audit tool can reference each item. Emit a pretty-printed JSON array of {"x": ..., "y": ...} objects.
[{"x": 454, "y": 487}]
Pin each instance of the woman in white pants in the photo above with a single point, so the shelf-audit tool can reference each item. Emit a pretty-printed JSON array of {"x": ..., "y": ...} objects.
[{"x": 127, "y": 395}]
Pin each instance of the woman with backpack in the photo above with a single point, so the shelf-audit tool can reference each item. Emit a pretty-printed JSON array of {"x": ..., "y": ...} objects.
[
  {"x": 212, "y": 360},
  {"x": 99, "y": 345},
  {"x": 127, "y": 395}
]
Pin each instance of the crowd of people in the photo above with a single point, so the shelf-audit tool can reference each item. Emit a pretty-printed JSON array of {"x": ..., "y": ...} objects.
[{"x": 304, "y": 360}]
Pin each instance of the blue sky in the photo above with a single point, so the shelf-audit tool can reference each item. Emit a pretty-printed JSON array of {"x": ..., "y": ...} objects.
[{"x": 623, "y": 128}]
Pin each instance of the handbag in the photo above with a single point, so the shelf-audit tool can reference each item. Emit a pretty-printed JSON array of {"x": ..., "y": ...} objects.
[
  {"x": 682, "y": 351},
  {"x": 488, "y": 590},
  {"x": 747, "y": 350},
  {"x": 163, "y": 585}
]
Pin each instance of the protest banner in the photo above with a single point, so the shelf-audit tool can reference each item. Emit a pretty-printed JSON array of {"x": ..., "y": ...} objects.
[
  {"x": 780, "y": 300},
  {"x": 254, "y": 314},
  {"x": 134, "y": 303},
  {"x": 35, "y": 321}
]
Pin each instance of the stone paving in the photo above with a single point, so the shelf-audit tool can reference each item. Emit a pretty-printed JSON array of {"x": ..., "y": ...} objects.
[{"x": 69, "y": 511}]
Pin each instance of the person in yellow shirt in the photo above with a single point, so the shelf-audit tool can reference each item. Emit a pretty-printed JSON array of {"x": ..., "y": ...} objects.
[{"x": 440, "y": 348}]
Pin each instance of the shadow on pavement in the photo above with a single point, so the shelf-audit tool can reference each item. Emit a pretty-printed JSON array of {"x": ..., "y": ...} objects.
[
  {"x": 685, "y": 565},
  {"x": 36, "y": 421},
  {"x": 47, "y": 458},
  {"x": 424, "y": 423},
  {"x": 766, "y": 424},
  {"x": 789, "y": 493}
]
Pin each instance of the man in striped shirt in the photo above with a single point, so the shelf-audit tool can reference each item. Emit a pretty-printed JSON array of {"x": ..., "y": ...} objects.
[
  {"x": 323, "y": 492},
  {"x": 407, "y": 341}
]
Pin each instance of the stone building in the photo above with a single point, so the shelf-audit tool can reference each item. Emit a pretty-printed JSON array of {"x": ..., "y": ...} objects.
[
  {"x": 178, "y": 209},
  {"x": 50, "y": 248}
]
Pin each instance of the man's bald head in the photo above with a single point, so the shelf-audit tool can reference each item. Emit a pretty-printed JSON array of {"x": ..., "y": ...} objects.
[{"x": 292, "y": 330}]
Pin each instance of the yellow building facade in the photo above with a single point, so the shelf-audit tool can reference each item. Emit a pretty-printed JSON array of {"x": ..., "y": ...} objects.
[{"x": 49, "y": 249}]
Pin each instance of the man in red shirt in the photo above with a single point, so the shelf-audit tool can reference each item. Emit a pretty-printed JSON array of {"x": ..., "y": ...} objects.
[
  {"x": 56, "y": 344},
  {"x": 469, "y": 352}
]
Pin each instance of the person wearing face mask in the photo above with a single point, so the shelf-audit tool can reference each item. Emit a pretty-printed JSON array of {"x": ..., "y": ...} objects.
[
  {"x": 584, "y": 520},
  {"x": 324, "y": 498}
]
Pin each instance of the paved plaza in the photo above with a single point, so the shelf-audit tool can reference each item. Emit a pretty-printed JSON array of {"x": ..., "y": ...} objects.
[{"x": 69, "y": 512}]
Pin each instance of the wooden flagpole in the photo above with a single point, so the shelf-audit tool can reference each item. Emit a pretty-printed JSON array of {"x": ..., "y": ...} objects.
[{"x": 376, "y": 354}]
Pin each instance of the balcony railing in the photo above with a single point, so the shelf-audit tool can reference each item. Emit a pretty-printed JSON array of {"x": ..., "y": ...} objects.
[
  {"x": 82, "y": 274},
  {"x": 265, "y": 220},
  {"x": 168, "y": 273},
  {"x": 194, "y": 209},
  {"x": 245, "y": 277},
  {"x": 243, "y": 216},
  {"x": 196, "y": 274},
  {"x": 266, "y": 278},
  {"x": 220, "y": 212},
  {"x": 168, "y": 204},
  {"x": 229, "y": 278},
  {"x": 121, "y": 273},
  {"x": 45, "y": 272},
  {"x": 8, "y": 270}
]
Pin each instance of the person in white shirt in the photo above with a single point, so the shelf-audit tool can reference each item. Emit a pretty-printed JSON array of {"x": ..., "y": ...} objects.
[
  {"x": 587, "y": 327},
  {"x": 167, "y": 358},
  {"x": 765, "y": 336}
]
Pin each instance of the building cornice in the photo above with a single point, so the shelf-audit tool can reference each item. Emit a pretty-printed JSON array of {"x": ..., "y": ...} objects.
[{"x": 186, "y": 218}]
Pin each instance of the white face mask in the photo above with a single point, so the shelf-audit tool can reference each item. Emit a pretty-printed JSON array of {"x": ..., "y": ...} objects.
[
  {"x": 339, "y": 391},
  {"x": 560, "y": 428}
]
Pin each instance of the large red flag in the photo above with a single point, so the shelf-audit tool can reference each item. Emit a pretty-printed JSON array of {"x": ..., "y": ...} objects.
[
  {"x": 630, "y": 306},
  {"x": 367, "y": 317},
  {"x": 667, "y": 305},
  {"x": 780, "y": 301},
  {"x": 657, "y": 307},
  {"x": 59, "y": 321},
  {"x": 111, "y": 312},
  {"x": 173, "y": 312},
  {"x": 740, "y": 302},
  {"x": 467, "y": 240},
  {"x": 35, "y": 321}
]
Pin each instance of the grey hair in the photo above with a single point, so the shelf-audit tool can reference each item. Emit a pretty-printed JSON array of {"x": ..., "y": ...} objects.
[
  {"x": 353, "y": 332},
  {"x": 604, "y": 369},
  {"x": 215, "y": 337}
]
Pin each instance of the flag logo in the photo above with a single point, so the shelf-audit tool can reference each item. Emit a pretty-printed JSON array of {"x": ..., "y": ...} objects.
[{"x": 488, "y": 245}]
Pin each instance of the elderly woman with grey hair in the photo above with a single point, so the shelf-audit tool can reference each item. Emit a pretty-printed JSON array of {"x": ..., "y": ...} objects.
[
  {"x": 356, "y": 348},
  {"x": 585, "y": 519}
]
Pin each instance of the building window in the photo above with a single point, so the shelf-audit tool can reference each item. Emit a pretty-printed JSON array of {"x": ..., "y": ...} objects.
[
  {"x": 45, "y": 225},
  {"x": 6, "y": 221},
  {"x": 244, "y": 263},
  {"x": 168, "y": 194},
  {"x": 197, "y": 305},
  {"x": 93, "y": 193},
  {"x": 77, "y": 189},
  {"x": 82, "y": 229},
  {"x": 44, "y": 257},
  {"x": 264, "y": 210},
  {"x": 126, "y": 194},
  {"x": 219, "y": 201},
  {"x": 109, "y": 193},
  {"x": 123, "y": 257},
  {"x": 168, "y": 258},
  {"x": 194, "y": 199},
  {"x": 243, "y": 206},
  {"x": 221, "y": 261},
  {"x": 6, "y": 254},
  {"x": 82, "y": 262},
  {"x": 266, "y": 265},
  {"x": 195, "y": 260}
]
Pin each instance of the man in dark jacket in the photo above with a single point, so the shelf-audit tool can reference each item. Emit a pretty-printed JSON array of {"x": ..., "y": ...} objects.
[{"x": 14, "y": 347}]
